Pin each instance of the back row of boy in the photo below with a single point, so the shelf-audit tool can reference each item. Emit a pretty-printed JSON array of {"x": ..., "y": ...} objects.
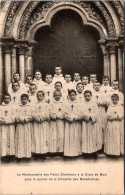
[{"x": 81, "y": 125}]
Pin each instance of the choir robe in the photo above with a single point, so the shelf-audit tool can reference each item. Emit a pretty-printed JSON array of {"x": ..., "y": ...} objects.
[
  {"x": 91, "y": 133},
  {"x": 75, "y": 83},
  {"x": 48, "y": 90},
  {"x": 22, "y": 87},
  {"x": 57, "y": 126},
  {"x": 114, "y": 139},
  {"x": 106, "y": 89},
  {"x": 40, "y": 134},
  {"x": 88, "y": 87},
  {"x": 7, "y": 129},
  {"x": 39, "y": 84},
  {"x": 32, "y": 98},
  {"x": 72, "y": 141},
  {"x": 16, "y": 97},
  {"x": 80, "y": 97},
  {"x": 101, "y": 101},
  {"x": 58, "y": 78},
  {"x": 23, "y": 131},
  {"x": 120, "y": 94}
]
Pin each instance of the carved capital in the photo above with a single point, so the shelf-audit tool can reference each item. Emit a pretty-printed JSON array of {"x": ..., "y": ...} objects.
[
  {"x": 112, "y": 45},
  {"x": 103, "y": 47},
  {"x": 121, "y": 42},
  {"x": 22, "y": 48},
  {"x": 8, "y": 47}
]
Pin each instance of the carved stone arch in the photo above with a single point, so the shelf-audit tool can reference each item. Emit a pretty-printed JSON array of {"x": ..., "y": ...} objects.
[{"x": 46, "y": 21}]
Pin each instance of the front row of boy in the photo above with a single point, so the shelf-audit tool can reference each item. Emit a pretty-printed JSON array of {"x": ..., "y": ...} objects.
[{"x": 72, "y": 129}]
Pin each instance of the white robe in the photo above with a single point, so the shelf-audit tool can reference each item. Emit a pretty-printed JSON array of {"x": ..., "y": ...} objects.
[
  {"x": 48, "y": 90},
  {"x": 106, "y": 89},
  {"x": 120, "y": 94},
  {"x": 114, "y": 139},
  {"x": 16, "y": 97},
  {"x": 75, "y": 83},
  {"x": 80, "y": 97},
  {"x": 58, "y": 78},
  {"x": 72, "y": 141},
  {"x": 7, "y": 130},
  {"x": 91, "y": 132},
  {"x": 40, "y": 134},
  {"x": 39, "y": 84},
  {"x": 57, "y": 126},
  {"x": 22, "y": 87},
  {"x": 32, "y": 98},
  {"x": 23, "y": 131}
]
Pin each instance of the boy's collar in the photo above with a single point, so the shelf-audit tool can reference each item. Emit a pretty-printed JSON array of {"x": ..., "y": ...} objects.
[
  {"x": 55, "y": 75},
  {"x": 3, "y": 104}
]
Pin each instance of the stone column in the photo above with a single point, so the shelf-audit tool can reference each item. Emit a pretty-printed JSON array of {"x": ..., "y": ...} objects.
[
  {"x": 29, "y": 67},
  {"x": 22, "y": 51},
  {"x": 121, "y": 62},
  {"x": 112, "y": 46},
  {"x": 106, "y": 64},
  {"x": 14, "y": 62},
  {"x": 1, "y": 72},
  {"x": 7, "y": 59}
]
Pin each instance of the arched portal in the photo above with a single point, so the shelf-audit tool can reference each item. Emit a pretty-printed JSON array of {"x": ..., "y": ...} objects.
[{"x": 70, "y": 44}]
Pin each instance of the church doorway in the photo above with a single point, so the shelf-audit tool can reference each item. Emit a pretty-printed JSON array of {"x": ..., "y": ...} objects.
[{"x": 69, "y": 44}]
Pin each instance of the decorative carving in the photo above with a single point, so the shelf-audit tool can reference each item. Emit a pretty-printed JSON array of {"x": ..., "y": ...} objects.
[
  {"x": 112, "y": 46},
  {"x": 120, "y": 12},
  {"x": 22, "y": 48},
  {"x": 109, "y": 21},
  {"x": 12, "y": 10},
  {"x": 8, "y": 47}
]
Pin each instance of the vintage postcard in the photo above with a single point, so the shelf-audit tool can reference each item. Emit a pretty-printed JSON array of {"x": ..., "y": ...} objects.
[{"x": 61, "y": 97}]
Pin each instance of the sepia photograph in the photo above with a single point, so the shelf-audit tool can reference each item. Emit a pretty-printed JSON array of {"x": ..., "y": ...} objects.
[{"x": 62, "y": 97}]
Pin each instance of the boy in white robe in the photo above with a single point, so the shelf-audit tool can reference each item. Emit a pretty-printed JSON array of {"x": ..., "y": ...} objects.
[
  {"x": 93, "y": 79},
  {"x": 85, "y": 81},
  {"x": 23, "y": 129},
  {"x": 76, "y": 80},
  {"x": 80, "y": 92},
  {"x": 38, "y": 80},
  {"x": 58, "y": 87},
  {"x": 40, "y": 135},
  {"x": 115, "y": 89},
  {"x": 100, "y": 98},
  {"x": 91, "y": 133},
  {"x": 68, "y": 85},
  {"x": 106, "y": 88},
  {"x": 29, "y": 80},
  {"x": 72, "y": 141},
  {"x": 7, "y": 128},
  {"x": 114, "y": 139},
  {"x": 32, "y": 93},
  {"x": 16, "y": 78},
  {"x": 57, "y": 124},
  {"x": 48, "y": 88},
  {"x": 15, "y": 93},
  {"x": 58, "y": 76}
]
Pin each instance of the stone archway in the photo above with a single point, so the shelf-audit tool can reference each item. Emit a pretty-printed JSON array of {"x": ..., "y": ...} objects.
[{"x": 69, "y": 43}]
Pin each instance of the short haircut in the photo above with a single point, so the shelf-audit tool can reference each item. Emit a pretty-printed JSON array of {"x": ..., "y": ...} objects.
[
  {"x": 88, "y": 91},
  {"x": 6, "y": 94},
  {"x": 59, "y": 83},
  {"x": 96, "y": 82},
  {"x": 85, "y": 76},
  {"x": 32, "y": 84},
  {"x": 105, "y": 77},
  {"x": 24, "y": 95},
  {"x": 57, "y": 67},
  {"x": 76, "y": 73},
  {"x": 67, "y": 74},
  {"x": 49, "y": 75},
  {"x": 15, "y": 82},
  {"x": 80, "y": 83},
  {"x": 29, "y": 76},
  {"x": 115, "y": 81},
  {"x": 38, "y": 71},
  {"x": 57, "y": 92},
  {"x": 16, "y": 73},
  {"x": 41, "y": 92},
  {"x": 71, "y": 91},
  {"x": 115, "y": 95},
  {"x": 93, "y": 74}
]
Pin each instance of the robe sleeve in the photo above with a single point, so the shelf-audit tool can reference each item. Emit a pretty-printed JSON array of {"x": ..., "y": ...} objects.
[
  {"x": 84, "y": 115},
  {"x": 110, "y": 114},
  {"x": 95, "y": 113},
  {"x": 52, "y": 113}
]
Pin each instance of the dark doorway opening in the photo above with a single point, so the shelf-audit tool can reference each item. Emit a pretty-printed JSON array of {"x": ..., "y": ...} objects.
[{"x": 70, "y": 44}]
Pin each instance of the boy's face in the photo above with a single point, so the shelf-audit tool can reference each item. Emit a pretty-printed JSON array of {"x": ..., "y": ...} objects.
[
  {"x": 68, "y": 78},
  {"x": 6, "y": 99},
  {"x": 85, "y": 80},
  {"x": 15, "y": 87},
  {"x": 40, "y": 97},
  {"x": 58, "y": 70},
  {"x": 57, "y": 96},
  {"x": 16, "y": 77},
  {"x": 115, "y": 85},
  {"x": 72, "y": 96},
  {"x": 93, "y": 78},
  {"x": 87, "y": 97},
  {"x": 38, "y": 75},
  {"x": 24, "y": 100},
  {"x": 32, "y": 89},
  {"x": 79, "y": 88},
  {"x": 29, "y": 80},
  {"x": 76, "y": 77},
  {"x": 48, "y": 79},
  {"x": 105, "y": 81},
  {"x": 58, "y": 86},
  {"x": 96, "y": 86},
  {"x": 114, "y": 100}
]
